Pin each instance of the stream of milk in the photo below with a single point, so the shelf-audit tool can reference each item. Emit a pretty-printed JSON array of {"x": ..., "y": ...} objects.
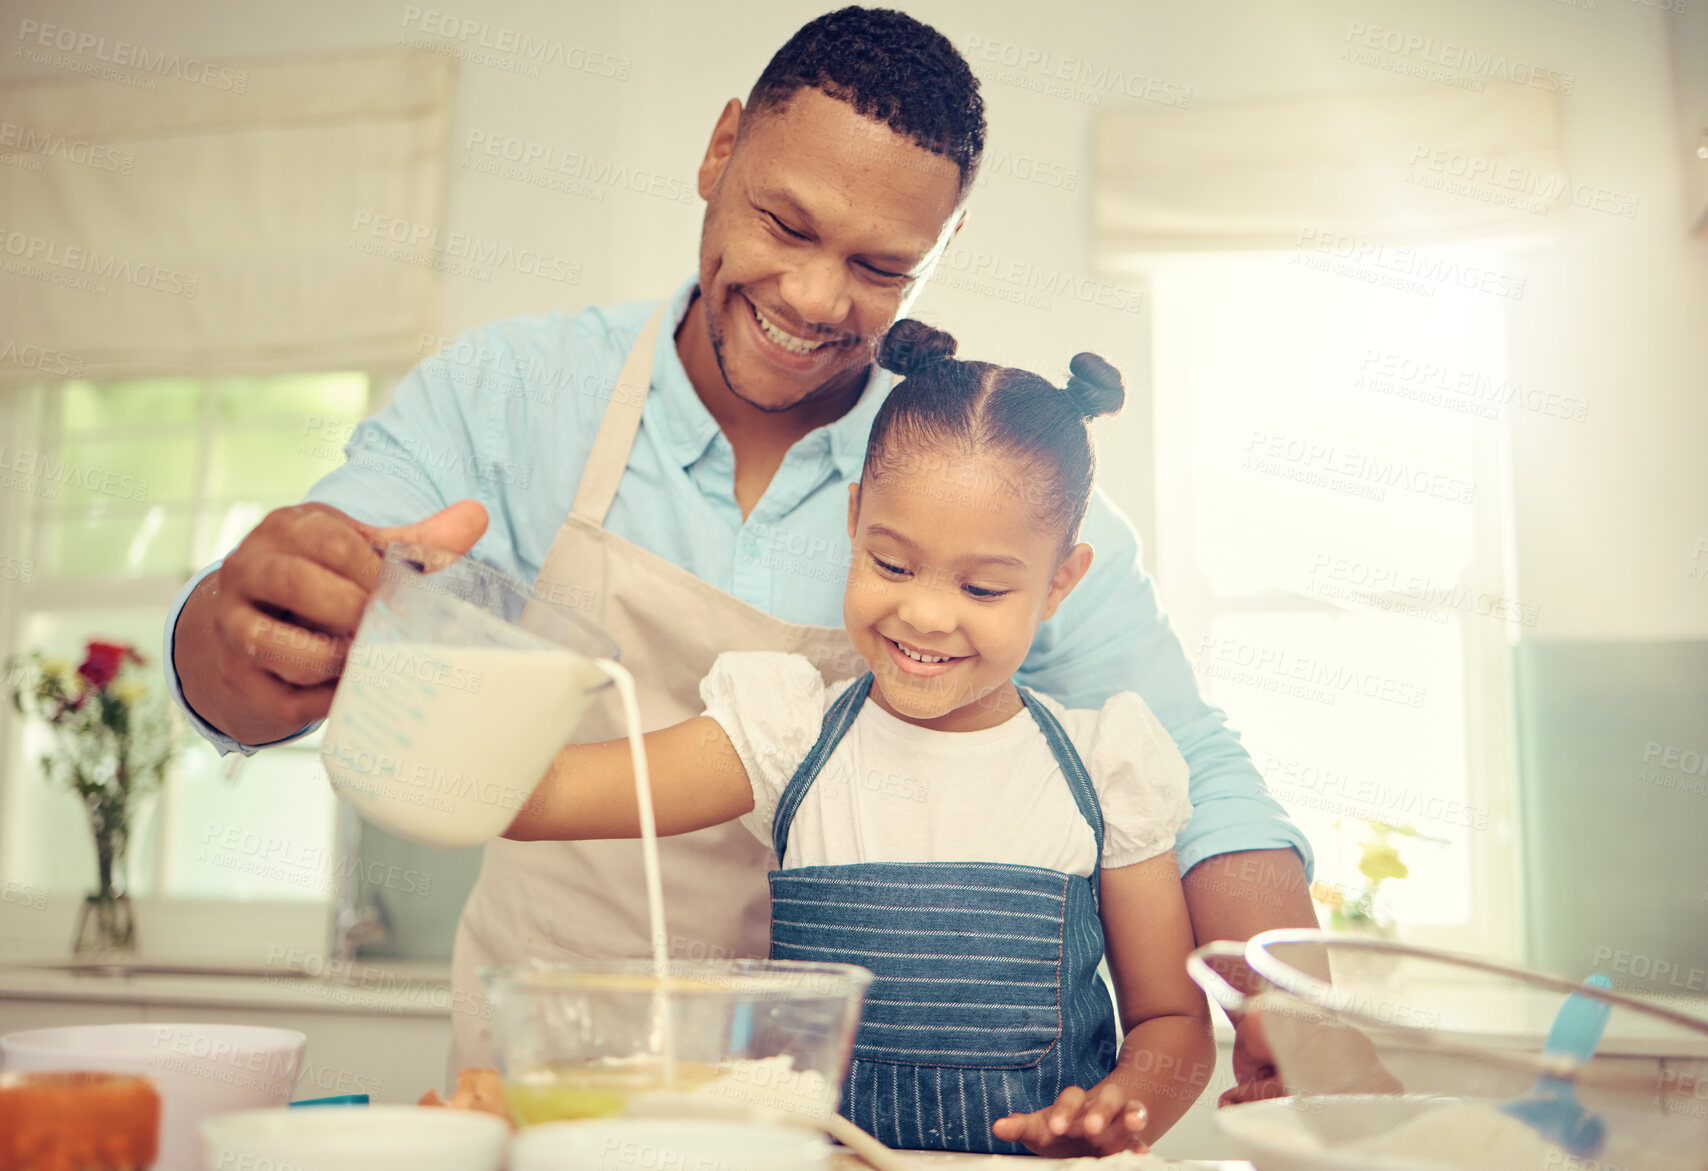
[
  {"x": 660, "y": 1035},
  {"x": 648, "y": 822},
  {"x": 444, "y": 743}
]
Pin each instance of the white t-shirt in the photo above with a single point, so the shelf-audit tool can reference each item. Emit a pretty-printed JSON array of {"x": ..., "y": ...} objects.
[{"x": 895, "y": 792}]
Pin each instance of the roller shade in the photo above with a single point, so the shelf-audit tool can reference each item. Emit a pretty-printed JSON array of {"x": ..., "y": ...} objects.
[
  {"x": 220, "y": 221},
  {"x": 1413, "y": 165}
]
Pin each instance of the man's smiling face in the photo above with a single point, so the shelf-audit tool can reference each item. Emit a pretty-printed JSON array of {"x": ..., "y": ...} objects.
[{"x": 821, "y": 228}]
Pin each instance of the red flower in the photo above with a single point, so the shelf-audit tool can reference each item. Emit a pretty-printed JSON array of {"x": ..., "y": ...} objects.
[{"x": 102, "y": 661}]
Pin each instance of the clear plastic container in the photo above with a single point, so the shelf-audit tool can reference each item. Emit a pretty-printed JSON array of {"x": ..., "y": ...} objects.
[
  {"x": 198, "y": 1070},
  {"x": 1407, "y": 1059},
  {"x": 74, "y": 1121},
  {"x": 750, "y": 1039},
  {"x": 459, "y": 688}
]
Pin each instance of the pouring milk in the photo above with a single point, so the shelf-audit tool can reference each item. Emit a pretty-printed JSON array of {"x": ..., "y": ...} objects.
[
  {"x": 442, "y": 744},
  {"x": 454, "y": 700}
]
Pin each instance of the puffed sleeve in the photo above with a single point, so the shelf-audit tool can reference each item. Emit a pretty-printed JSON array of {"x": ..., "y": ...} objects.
[
  {"x": 1140, "y": 778},
  {"x": 771, "y": 705}
]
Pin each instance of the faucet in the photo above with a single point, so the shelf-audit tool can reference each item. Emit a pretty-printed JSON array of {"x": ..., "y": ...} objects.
[{"x": 352, "y": 923}]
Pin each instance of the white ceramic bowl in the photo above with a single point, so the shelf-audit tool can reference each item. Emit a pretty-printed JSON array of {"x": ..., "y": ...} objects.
[
  {"x": 200, "y": 1070},
  {"x": 1441, "y": 1133},
  {"x": 645, "y": 1144},
  {"x": 354, "y": 1138},
  {"x": 1308, "y": 1133}
]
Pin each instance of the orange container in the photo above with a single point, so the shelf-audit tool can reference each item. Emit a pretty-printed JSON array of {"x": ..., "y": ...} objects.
[{"x": 77, "y": 1122}]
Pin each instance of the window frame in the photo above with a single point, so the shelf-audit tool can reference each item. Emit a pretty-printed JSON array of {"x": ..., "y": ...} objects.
[
  {"x": 1193, "y": 606},
  {"x": 173, "y": 918}
]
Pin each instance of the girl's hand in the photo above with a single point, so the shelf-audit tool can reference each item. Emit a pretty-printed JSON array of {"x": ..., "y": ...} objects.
[{"x": 1102, "y": 1121}]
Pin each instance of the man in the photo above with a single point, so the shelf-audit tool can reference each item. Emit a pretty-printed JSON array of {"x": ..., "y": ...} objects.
[{"x": 692, "y": 460}]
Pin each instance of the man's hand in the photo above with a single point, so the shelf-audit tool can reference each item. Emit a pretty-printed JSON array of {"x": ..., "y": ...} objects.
[
  {"x": 1255, "y": 1074},
  {"x": 260, "y": 644},
  {"x": 1098, "y": 1122},
  {"x": 1329, "y": 1058},
  {"x": 1235, "y": 896}
]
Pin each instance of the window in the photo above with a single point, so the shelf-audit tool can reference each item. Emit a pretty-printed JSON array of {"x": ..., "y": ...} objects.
[
  {"x": 1332, "y": 518},
  {"x": 120, "y": 491}
]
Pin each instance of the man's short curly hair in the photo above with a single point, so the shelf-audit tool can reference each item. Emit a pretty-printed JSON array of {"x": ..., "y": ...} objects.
[{"x": 892, "y": 69}]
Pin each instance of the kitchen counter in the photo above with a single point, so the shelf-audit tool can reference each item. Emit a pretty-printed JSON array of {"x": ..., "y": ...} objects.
[
  {"x": 381, "y": 1029},
  {"x": 360, "y": 986},
  {"x": 424, "y": 989}
]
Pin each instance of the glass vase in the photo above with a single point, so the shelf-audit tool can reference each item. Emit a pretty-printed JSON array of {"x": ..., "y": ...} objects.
[{"x": 105, "y": 924}]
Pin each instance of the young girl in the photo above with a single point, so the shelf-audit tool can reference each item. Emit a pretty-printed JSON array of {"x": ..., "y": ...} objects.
[{"x": 977, "y": 846}]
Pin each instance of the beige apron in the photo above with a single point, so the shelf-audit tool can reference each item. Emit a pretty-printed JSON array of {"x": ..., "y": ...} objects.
[{"x": 587, "y": 900}]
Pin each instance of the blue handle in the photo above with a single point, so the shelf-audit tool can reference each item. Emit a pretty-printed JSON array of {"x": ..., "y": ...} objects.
[
  {"x": 1578, "y": 1025},
  {"x": 335, "y": 1100},
  {"x": 1553, "y": 1110}
]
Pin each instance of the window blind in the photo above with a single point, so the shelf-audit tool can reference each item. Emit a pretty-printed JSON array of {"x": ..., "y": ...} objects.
[
  {"x": 282, "y": 216},
  {"x": 1421, "y": 165}
]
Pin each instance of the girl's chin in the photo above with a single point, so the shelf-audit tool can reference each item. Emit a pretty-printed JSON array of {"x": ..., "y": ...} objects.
[{"x": 917, "y": 699}]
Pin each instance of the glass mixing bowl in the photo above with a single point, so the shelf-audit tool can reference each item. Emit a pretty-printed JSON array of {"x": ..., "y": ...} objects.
[
  {"x": 756, "y": 1039},
  {"x": 1402, "y": 1058}
]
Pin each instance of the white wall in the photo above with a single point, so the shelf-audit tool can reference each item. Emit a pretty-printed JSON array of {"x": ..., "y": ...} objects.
[{"x": 1610, "y": 511}]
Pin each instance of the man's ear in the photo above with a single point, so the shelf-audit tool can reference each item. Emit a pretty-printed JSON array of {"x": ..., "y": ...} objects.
[
  {"x": 853, "y": 508},
  {"x": 1068, "y": 574},
  {"x": 939, "y": 250},
  {"x": 719, "y": 149}
]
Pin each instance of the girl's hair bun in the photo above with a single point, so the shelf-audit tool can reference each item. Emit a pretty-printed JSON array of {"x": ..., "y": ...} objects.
[
  {"x": 1095, "y": 385},
  {"x": 911, "y": 345}
]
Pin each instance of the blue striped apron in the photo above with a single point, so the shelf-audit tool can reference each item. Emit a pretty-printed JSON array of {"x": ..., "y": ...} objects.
[{"x": 986, "y": 999}]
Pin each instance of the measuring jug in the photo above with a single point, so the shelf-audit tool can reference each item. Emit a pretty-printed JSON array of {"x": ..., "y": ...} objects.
[{"x": 459, "y": 689}]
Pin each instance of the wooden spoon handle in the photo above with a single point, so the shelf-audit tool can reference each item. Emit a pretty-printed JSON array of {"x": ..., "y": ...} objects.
[{"x": 875, "y": 1153}]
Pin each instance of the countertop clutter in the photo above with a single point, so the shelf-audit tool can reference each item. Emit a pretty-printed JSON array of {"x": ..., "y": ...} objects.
[
  {"x": 383, "y": 1029},
  {"x": 377, "y": 1028}
]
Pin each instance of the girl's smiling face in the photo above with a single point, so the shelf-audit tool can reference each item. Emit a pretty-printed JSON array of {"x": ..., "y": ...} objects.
[{"x": 950, "y": 564}]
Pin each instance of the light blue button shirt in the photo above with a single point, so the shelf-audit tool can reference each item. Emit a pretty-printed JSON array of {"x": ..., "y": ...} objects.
[{"x": 507, "y": 416}]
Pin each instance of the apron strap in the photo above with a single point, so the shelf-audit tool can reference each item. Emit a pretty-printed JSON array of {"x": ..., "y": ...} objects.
[
  {"x": 837, "y": 721},
  {"x": 616, "y": 438},
  {"x": 1073, "y": 768}
]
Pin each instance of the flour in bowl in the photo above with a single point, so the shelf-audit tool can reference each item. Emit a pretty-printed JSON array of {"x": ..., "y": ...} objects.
[{"x": 1466, "y": 1136}]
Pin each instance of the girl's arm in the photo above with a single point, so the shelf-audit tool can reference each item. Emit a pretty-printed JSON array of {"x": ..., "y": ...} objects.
[
  {"x": 1168, "y": 1053},
  {"x": 698, "y": 780}
]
